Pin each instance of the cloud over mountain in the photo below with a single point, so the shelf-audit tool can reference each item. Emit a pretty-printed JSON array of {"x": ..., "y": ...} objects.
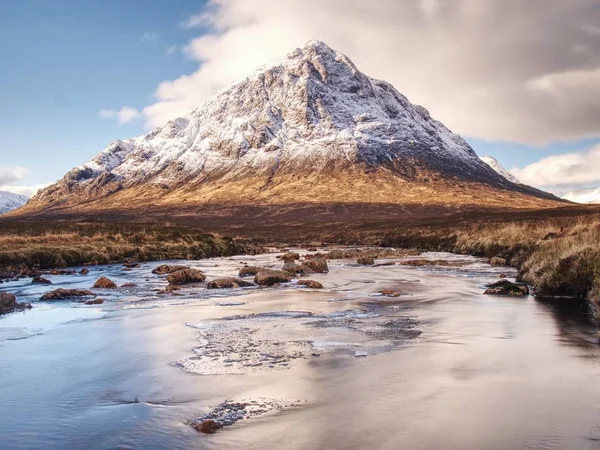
[{"x": 514, "y": 71}]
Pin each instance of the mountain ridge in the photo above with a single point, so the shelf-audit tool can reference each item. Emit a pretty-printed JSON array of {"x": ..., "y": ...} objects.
[{"x": 311, "y": 128}]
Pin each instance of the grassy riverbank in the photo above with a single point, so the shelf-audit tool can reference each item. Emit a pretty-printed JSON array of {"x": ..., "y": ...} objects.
[
  {"x": 560, "y": 257},
  {"x": 61, "y": 244}
]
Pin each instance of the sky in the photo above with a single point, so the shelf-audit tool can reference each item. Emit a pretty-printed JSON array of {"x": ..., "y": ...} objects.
[{"x": 519, "y": 80}]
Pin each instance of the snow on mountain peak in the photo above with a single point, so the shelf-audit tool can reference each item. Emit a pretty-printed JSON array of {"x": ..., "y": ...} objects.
[
  {"x": 308, "y": 112},
  {"x": 10, "y": 201},
  {"x": 589, "y": 196},
  {"x": 494, "y": 164}
]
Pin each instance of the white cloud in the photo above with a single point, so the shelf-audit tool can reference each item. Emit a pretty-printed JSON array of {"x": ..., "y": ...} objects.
[
  {"x": 123, "y": 115},
  {"x": 10, "y": 174},
  {"x": 560, "y": 173},
  {"x": 170, "y": 50},
  {"x": 479, "y": 66},
  {"x": 28, "y": 191}
]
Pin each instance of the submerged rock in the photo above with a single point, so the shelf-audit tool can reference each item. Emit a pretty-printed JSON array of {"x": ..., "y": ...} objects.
[
  {"x": 84, "y": 271},
  {"x": 128, "y": 285},
  {"x": 97, "y": 301},
  {"x": 272, "y": 277},
  {"x": 388, "y": 293},
  {"x": 207, "y": 426},
  {"x": 8, "y": 303},
  {"x": 228, "y": 283},
  {"x": 104, "y": 283},
  {"x": 312, "y": 284},
  {"x": 65, "y": 294},
  {"x": 185, "y": 276},
  {"x": 229, "y": 412},
  {"x": 505, "y": 287},
  {"x": 40, "y": 280},
  {"x": 315, "y": 265}
]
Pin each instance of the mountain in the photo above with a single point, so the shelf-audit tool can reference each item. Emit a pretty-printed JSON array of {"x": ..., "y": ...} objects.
[
  {"x": 10, "y": 201},
  {"x": 310, "y": 129},
  {"x": 590, "y": 196},
  {"x": 499, "y": 169}
]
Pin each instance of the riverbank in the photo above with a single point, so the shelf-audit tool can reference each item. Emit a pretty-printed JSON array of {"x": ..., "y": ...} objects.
[
  {"x": 560, "y": 257},
  {"x": 54, "y": 245}
]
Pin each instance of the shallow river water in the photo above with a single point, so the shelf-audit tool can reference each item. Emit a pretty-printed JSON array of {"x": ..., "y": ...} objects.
[{"x": 440, "y": 367}]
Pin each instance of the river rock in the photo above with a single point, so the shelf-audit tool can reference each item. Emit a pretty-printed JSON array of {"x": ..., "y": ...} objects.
[
  {"x": 185, "y": 276},
  {"x": 64, "y": 294},
  {"x": 227, "y": 283},
  {"x": 207, "y": 426},
  {"x": 272, "y": 277},
  {"x": 97, "y": 301},
  {"x": 389, "y": 293},
  {"x": 104, "y": 283},
  {"x": 40, "y": 280},
  {"x": 168, "y": 268},
  {"x": 312, "y": 284},
  {"x": 8, "y": 303},
  {"x": 250, "y": 271},
  {"x": 315, "y": 265},
  {"x": 365, "y": 260},
  {"x": 290, "y": 256},
  {"x": 292, "y": 268},
  {"x": 505, "y": 287},
  {"x": 84, "y": 271}
]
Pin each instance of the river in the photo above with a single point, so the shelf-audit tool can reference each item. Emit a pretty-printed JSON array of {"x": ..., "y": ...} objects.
[{"x": 439, "y": 366}]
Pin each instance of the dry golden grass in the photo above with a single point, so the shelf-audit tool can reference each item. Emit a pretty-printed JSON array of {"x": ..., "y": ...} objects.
[{"x": 59, "y": 245}]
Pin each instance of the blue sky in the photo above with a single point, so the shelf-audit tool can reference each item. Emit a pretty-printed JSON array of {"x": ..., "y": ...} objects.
[{"x": 64, "y": 61}]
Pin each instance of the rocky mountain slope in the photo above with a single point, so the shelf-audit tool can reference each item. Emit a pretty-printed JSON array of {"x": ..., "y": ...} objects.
[
  {"x": 499, "y": 168},
  {"x": 310, "y": 128},
  {"x": 587, "y": 196},
  {"x": 10, "y": 201}
]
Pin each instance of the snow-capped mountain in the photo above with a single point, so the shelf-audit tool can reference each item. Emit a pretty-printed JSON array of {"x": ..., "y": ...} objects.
[
  {"x": 499, "y": 168},
  {"x": 10, "y": 201},
  {"x": 311, "y": 128},
  {"x": 584, "y": 196}
]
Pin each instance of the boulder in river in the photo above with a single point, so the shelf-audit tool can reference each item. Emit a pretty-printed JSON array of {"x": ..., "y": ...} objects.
[
  {"x": 228, "y": 283},
  {"x": 312, "y": 284},
  {"x": 84, "y": 271},
  {"x": 292, "y": 268},
  {"x": 505, "y": 287},
  {"x": 185, "y": 276},
  {"x": 365, "y": 260},
  {"x": 40, "y": 280},
  {"x": 272, "y": 277},
  {"x": 290, "y": 256},
  {"x": 315, "y": 265},
  {"x": 164, "y": 269},
  {"x": 250, "y": 271},
  {"x": 104, "y": 283},
  {"x": 65, "y": 294},
  {"x": 8, "y": 303}
]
